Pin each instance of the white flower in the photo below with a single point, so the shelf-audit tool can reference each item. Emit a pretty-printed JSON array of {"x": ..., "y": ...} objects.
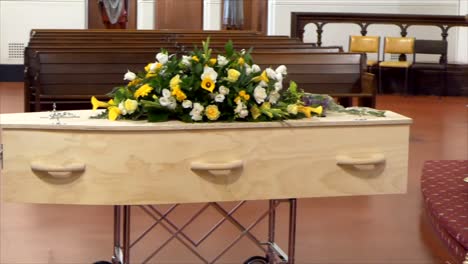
[
  {"x": 278, "y": 86},
  {"x": 153, "y": 67},
  {"x": 260, "y": 94},
  {"x": 219, "y": 98},
  {"x": 248, "y": 69},
  {"x": 274, "y": 97},
  {"x": 162, "y": 58},
  {"x": 210, "y": 73},
  {"x": 197, "y": 112},
  {"x": 186, "y": 60},
  {"x": 243, "y": 113},
  {"x": 172, "y": 103},
  {"x": 256, "y": 68},
  {"x": 263, "y": 84},
  {"x": 129, "y": 76},
  {"x": 223, "y": 90},
  {"x": 122, "y": 109},
  {"x": 279, "y": 77},
  {"x": 166, "y": 93},
  {"x": 271, "y": 74},
  {"x": 164, "y": 101},
  {"x": 282, "y": 70},
  {"x": 292, "y": 109},
  {"x": 187, "y": 104},
  {"x": 222, "y": 61}
]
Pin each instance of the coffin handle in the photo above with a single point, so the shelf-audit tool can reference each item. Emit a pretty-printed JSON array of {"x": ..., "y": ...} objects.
[
  {"x": 231, "y": 165},
  {"x": 372, "y": 159},
  {"x": 71, "y": 168}
]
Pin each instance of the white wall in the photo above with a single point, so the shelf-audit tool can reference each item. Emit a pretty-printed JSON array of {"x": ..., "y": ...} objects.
[
  {"x": 146, "y": 14},
  {"x": 462, "y": 51},
  {"x": 212, "y": 14},
  {"x": 337, "y": 34},
  {"x": 18, "y": 17}
]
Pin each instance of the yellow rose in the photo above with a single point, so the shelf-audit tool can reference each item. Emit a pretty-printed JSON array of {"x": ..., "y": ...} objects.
[
  {"x": 212, "y": 61},
  {"x": 195, "y": 58},
  {"x": 143, "y": 91},
  {"x": 233, "y": 75},
  {"x": 212, "y": 112},
  {"x": 130, "y": 105},
  {"x": 241, "y": 61}
]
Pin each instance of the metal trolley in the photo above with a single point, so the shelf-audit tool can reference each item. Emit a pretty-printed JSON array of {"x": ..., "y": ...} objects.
[{"x": 272, "y": 252}]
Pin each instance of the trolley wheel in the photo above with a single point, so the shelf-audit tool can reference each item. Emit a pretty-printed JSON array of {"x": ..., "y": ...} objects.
[{"x": 257, "y": 260}]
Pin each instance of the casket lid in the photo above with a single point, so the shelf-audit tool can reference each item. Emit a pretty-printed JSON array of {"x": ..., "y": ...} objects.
[{"x": 41, "y": 120}]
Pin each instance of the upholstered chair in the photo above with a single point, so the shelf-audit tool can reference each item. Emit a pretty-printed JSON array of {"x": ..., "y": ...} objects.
[
  {"x": 397, "y": 45},
  {"x": 366, "y": 44}
]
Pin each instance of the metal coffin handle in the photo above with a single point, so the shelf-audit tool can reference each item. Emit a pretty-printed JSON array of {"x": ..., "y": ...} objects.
[
  {"x": 372, "y": 159},
  {"x": 231, "y": 165},
  {"x": 71, "y": 168}
]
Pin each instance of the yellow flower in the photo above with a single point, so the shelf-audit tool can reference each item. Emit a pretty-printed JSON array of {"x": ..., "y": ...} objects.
[
  {"x": 130, "y": 105},
  {"x": 175, "y": 81},
  {"x": 195, "y": 58},
  {"x": 237, "y": 100},
  {"x": 245, "y": 95},
  {"x": 212, "y": 61},
  {"x": 255, "y": 112},
  {"x": 134, "y": 82},
  {"x": 241, "y": 61},
  {"x": 208, "y": 84},
  {"x": 96, "y": 103},
  {"x": 143, "y": 91},
  {"x": 233, "y": 75},
  {"x": 114, "y": 113},
  {"x": 150, "y": 74},
  {"x": 307, "y": 110},
  {"x": 262, "y": 77},
  {"x": 212, "y": 112},
  {"x": 179, "y": 95}
]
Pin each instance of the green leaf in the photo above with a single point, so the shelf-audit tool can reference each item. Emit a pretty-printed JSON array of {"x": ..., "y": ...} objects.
[
  {"x": 229, "y": 47},
  {"x": 157, "y": 116}
]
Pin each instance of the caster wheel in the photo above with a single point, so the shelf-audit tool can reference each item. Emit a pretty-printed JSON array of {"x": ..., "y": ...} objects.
[
  {"x": 257, "y": 260},
  {"x": 102, "y": 262}
]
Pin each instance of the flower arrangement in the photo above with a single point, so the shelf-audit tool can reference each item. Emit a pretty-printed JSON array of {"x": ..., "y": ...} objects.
[{"x": 200, "y": 87}]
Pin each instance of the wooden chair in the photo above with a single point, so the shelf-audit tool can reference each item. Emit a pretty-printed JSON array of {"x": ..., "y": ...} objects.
[
  {"x": 434, "y": 47},
  {"x": 366, "y": 44},
  {"x": 397, "y": 45}
]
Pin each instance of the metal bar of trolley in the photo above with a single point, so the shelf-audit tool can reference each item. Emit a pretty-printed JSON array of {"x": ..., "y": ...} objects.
[{"x": 273, "y": 253}]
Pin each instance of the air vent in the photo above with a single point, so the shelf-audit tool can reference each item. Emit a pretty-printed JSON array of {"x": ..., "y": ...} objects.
[{"x": 15, "y": 50}]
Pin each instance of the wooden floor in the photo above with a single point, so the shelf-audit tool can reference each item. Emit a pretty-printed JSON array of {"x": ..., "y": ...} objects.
[{"x": 380, "y": 229}]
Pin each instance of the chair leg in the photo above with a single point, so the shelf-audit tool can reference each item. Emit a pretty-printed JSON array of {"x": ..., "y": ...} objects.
[{"x": 405, "y": 91}]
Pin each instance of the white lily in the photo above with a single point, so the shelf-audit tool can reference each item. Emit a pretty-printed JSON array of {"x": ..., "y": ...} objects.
[
  {"x": 256, "y": 68},
  {"x": 129, "y": 76},
  {"x": 209, "y": 73},
  {"x": 186, "y": 60},
  {"x": 163, "y": 58},
  {"x": 271, "y": 73},
  {"x": 282, "y": 70}
]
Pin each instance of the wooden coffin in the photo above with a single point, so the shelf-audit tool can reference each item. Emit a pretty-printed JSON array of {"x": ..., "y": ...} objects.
[{"x": 95, "y": 161}]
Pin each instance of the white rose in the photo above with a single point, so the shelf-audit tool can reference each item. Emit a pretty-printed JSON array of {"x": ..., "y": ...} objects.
[
  {"x": 282, "y": 70},
  {"x": 292, "y": 109},
  {"x": 186, "y": 60},
  {"x": 279, "y": 77},
  {"x": 197, "y": 117},
  {"x": 198, "y": 107},
  {"x": 278, "y": 86},
  {"x": 166, "y": 93},
  {"x": 263, "y": 84},
  {"x": 240, "y": 106},
  {"x": 243, "y": 113},
  {"x": 162, "y": 58},
  {"x": 222, "y": 61},
  {"x": 223, "y": 90},
  {"x": 187, "y": 104},
  {"x": 274, "y": 97},
  {"x": 271, "y": 74},
  {"x": 256, "y": 68},
  {"x": 219, "y": 98},
  {"x": 260, "y": 94},
  {"x": 122, "y": 109},
  {"x": 248, "y": 69},
  {"x": 129, "y": 76}
]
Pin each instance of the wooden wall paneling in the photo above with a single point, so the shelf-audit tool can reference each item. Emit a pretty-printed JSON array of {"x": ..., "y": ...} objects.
[
  {"x": 255, "y": 15},
  {"x": 179, "y": 14},
  {"x": 95, "y": 20}
]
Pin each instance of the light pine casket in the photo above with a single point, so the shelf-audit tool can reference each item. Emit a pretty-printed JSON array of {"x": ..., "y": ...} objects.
[{"x": 100, "y": 162}]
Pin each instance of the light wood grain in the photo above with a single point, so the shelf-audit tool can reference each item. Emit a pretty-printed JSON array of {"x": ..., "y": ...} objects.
[{"x": 154, "y": 167}]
